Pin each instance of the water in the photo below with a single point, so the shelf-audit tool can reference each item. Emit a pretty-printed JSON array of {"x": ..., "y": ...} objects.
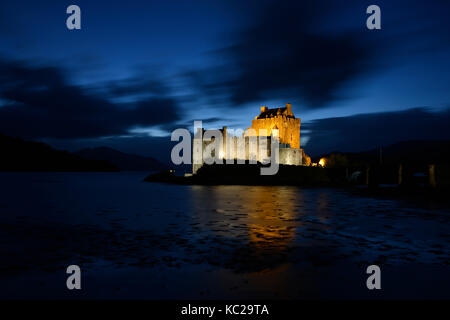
[{"x": 134, "y": 239}]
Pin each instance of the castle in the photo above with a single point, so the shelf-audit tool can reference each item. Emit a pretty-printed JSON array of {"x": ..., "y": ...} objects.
[
  {"x": 242, "y": 148},
  {"x": 282, "y": 119}
]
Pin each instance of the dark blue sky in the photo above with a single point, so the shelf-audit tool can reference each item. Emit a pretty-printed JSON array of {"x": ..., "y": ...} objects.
[{"x": 138, "y": 69}]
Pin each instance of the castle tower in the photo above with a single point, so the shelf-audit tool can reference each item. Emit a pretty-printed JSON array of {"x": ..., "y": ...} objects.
[{"x": 282, "y": 119}]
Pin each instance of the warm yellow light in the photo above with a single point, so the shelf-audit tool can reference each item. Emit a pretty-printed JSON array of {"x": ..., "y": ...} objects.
[
  {"x": 322, "y": 162},
  {"x": 221, "y": 155}
]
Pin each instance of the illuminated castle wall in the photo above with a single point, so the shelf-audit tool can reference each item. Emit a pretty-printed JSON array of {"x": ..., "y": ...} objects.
[
  {"x": 282, "y": 119},
  {"x": 279, "y": 118}
]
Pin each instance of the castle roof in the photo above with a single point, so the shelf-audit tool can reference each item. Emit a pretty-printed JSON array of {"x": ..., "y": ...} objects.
[{"x": 270, "y": 113}]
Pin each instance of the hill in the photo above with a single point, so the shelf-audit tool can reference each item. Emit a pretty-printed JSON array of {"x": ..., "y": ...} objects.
[
  {"x": 124, "y": 161},
  {"x": 420, "y": 152},
  {"x": 19, "y": 155}
]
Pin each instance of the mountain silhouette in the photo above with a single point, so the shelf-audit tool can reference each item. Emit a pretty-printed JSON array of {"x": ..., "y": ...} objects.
[
  {"x": 421, "y": 152},
  {"x": 17, "y": 154},
  {"x": 124, "y": 161}
]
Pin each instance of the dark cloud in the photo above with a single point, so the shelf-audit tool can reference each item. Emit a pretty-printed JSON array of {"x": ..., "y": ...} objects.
[
  {"x": 368, "y": 131},
  {"x": 316, "y": 51},
  {"x": 39, "y": 102},
  {"x": 137, "y": 86},
  {"x": 283, "y": 55}
]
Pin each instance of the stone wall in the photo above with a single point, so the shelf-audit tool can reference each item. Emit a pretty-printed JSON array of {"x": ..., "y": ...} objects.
[
  {"x": 288, "y": 129},
  {"x": 245, "y": 148},
  {"x": 291, "y": 156},
  {"x": 282, "y": 119}
]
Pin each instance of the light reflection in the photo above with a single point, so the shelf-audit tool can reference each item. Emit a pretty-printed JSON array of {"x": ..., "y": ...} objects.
[{"x": 265, "y": 215}]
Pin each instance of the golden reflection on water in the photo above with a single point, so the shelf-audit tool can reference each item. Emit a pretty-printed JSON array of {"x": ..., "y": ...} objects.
[{"x": 267, "y": 214}]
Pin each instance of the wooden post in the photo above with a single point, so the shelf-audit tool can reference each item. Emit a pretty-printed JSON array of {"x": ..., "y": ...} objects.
[
  {"x": 400, "y": 175},
  {"x": 432, "y": 175}
]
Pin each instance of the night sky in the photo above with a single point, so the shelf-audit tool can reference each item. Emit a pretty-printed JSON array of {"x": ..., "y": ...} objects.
[{"x": 139, "y": 69}]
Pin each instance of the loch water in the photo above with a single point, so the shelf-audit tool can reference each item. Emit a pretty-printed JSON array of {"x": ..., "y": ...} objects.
[{"x": 141, "y": 240}]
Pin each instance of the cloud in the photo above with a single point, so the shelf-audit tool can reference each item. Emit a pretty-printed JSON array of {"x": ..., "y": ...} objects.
[
  {"x": 39, "y": 102},
  {"x": 317, "y": 52},
  {"x": 366, "y": 131},
  {"x": 141, "y": 85},
  {"x": 281, "y": 55}
]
